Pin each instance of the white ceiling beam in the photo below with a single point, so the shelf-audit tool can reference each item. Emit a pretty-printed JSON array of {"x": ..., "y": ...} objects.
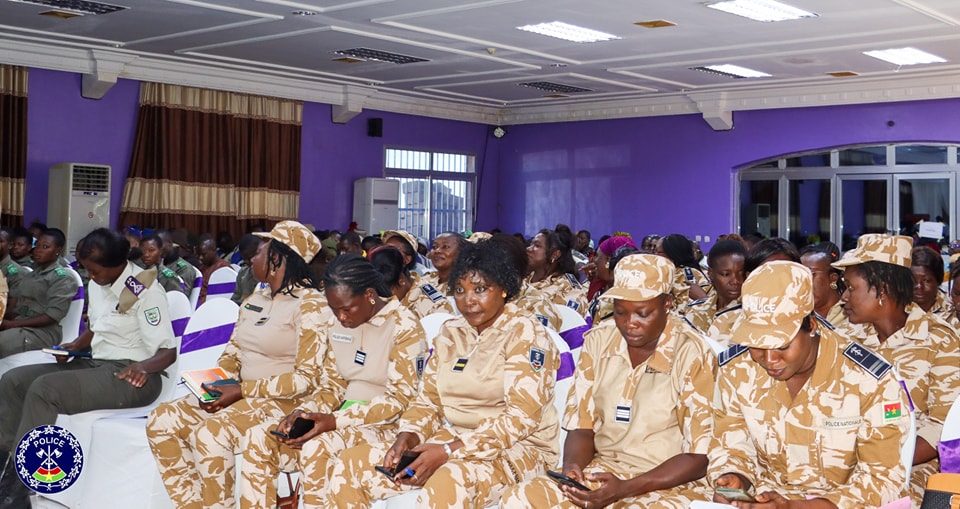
[{"x": 107, "y": 67}]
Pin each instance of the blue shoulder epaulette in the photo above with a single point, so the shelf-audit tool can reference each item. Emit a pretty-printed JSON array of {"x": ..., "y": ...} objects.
[
  {"x": 698, "y": 301},
  {"x": 574, "y": 305},
  {"x": 432, "y": 292},
  {"x": 729, "y": 309},
  {"x": 873, "y": 363},
  {"x": 688, "y": 273},
  {"x": 573, "y": 280},
  {"x": 823, "y": 321},
  {"x": 731, "y": 353}
]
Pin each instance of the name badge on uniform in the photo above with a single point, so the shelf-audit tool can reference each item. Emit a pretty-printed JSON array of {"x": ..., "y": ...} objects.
[
  {"x": 360, "y": 357},
  {"x": 421, "y": 362},
  {"x": 432, "y": 292},
  {"x": 262, "y": 321},
  {"x": 460, "y": 364},
  {"x": 341, "y": 338},
  {"x": 622, "y": 414},
  {"x": 574, "y": 305},
  {"x": 251, "y": 307}
]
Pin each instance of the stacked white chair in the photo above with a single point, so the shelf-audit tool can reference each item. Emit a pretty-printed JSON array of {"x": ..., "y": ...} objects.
[
  {"x": 70, "y": 325},
  {"x": 222, "y": 283}
]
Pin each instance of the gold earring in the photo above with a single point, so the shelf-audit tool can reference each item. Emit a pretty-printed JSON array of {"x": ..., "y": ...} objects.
[
  {"x": 881, "y": 301},
  {"x": 373, "y": 302},
  {"x": 503, "y": 294},
  {"x": 833, "y": 285}
]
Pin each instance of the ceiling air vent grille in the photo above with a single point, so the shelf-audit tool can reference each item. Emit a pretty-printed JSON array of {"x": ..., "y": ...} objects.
[
  {"x": 379, "y": 56},
  {"x": 77, "y": 6},
  {"x": 91, "y": 178},
  {"x": 559, "y": 88}
]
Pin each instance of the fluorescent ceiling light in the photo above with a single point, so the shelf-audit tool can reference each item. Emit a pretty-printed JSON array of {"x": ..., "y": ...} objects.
[
  {"x": 734, "y": 71},
  {"x": 568, "y": 32},
  {"x": 761, "y": 10},
  {"x": 904, "y": 56}
]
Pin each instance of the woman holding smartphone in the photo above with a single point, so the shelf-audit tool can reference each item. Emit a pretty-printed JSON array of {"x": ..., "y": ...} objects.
[{"x": 484, "y": 418}]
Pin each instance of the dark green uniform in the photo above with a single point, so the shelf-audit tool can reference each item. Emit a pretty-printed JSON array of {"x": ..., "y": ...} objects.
[
  {"x": 26, "y": 261},
  {"x": 186, "y": 272},
  {"x": 170, "y": 281},
  {"x": 14, "y": 274},
  {"x": 246, "y": 284},
  {"x": 48, "y": 292}
]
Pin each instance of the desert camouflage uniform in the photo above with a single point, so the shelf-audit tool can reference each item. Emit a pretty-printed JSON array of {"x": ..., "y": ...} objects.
[
  {"x": 563, "y": 289},
  {"x": 275, "y": 352},
  {"x": 396, "y": 351},
  {"x": 834, "y": 440},
  {"x": 721, "y": 328},
  {"x": 425, "y": 298},
  {"x": 926, "y": 353},
  {"x": 600, "y": 309},
  {"x": 499, "y": 404},
  {"x": 952, "y": 317},
  {"x": 41, "y": 292},
  {"x": 702, "y": 312},
  {"x": 941, "y": 305},
  {"x": 669, "y": 401},
  {"x": 683, "y": 278},
  {"x": 537, "y": 305}
]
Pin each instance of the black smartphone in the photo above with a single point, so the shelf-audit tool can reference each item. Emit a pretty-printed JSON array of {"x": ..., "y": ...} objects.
[
  {"x": 735, "y": 494},
  {"x": 405, "y": 460},
  {"x": 299, "y": 428},
  {"x": 562, "y": 479}
]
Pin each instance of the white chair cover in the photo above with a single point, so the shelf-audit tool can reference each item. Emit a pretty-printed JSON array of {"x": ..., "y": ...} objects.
[{"x": 221, "y": 284}]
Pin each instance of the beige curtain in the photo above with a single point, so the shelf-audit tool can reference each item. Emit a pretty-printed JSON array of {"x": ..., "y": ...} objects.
[
  {"x": 212, "y": 161},
  {"x": 13, "y": 143}
]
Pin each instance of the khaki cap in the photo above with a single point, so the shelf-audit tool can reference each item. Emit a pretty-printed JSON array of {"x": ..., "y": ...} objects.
[
  {"x": 775, "y": 299},
  {"x": 295, "y": 236},
  {"x": 641, "y": 277},
  {"x": 405, "y": 235},
  {"x": 478, "y": 236},
  {"x": 878, "y": 247}
]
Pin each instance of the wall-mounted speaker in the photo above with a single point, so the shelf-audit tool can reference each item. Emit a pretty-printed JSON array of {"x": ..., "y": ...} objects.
[{"x": 375, "y": 127}]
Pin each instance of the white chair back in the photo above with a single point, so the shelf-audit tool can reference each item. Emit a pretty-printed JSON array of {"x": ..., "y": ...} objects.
[
  {"x": 70, "y": 324},
  {"x": 431, "y": 324},
  {"x": 221, "y": 284},
  {"x": 951, "y": 425},
  {"x": 569, "y": 318},
  {"x": 194, "y": 293},
  {"x": 205, "y": 337}
]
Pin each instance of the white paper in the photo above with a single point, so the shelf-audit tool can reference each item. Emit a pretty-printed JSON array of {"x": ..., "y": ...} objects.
[{"x": 931, "y": 229}]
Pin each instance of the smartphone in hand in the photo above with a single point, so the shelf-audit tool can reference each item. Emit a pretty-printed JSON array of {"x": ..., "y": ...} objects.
[
  {"x": 735, "y": 494},
  {"x": 405, "y": 460},
  {"x": 299, "y": 428},
  {"x": 566, "y": 480}
]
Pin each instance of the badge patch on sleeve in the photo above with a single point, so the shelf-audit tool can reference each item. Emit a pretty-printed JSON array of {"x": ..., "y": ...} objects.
[
  {"x": 892, "y": 410},
  {"x": 153, "y": 316},
  {"x": 537, "y": 358}
]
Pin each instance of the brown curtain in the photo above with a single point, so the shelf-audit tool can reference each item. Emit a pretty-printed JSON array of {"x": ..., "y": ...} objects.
[
  {"x": 212, "y": 161},
  {"x": 13, "y": 143}
]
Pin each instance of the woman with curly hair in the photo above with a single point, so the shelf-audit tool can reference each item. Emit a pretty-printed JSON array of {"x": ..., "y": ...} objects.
[{"x": 484, "y": 419}]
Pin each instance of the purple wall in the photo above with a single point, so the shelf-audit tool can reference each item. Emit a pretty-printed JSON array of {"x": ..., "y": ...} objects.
[
  {"x": 62, "y": 126},
  {"x": 675, "y": 174}
]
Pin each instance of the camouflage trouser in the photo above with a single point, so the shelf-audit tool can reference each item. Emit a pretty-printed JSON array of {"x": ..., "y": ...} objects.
[
  {"x": 544, "y": 492},
  {"x": 918, "y": 480},
  {"x": 264, "y": 458},
  {"x": 354, "y": 484},
  {"x": 195, "y": 450}
]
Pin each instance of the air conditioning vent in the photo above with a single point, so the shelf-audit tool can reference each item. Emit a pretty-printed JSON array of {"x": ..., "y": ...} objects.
[
  {"x": 379, "y": 56},
  {"x": 77, "y": 6},
  {"x": 558, "y": 88},
  {"x": 91, "y": 179}
]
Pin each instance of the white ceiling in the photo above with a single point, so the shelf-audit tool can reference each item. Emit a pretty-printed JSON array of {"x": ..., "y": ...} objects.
[{"x": 477, "y": 57}]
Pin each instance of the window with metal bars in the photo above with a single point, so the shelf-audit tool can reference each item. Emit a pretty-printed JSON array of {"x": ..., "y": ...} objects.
[{"x": 436, "y": 190}]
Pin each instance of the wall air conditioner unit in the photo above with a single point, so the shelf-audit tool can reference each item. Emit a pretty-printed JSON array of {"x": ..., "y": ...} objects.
[
  {"x": 78, "y": 200},
  {"x": 375, "y": 204}
]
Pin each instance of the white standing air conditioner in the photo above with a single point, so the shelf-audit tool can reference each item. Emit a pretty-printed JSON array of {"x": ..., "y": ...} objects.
[
  {"x": 78, "y": 201},
  {"x": 375, "y": 204}
]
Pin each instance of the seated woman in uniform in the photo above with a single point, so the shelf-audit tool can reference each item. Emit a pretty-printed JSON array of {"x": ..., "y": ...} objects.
[
  {"x": 274, "y": 353},
  {"x": 639, "y": 414},
  {"x": 952, "y": 315},
  {"x": 532, "y": 301},
  {"x": 43, "y": 299},
  {"x": 600, "y": 268},
  {"x": 828, "y": 283},
  {"x": 389, "y": 261},
  {"x": 691, "y": 283},
  {"x": 726, "y": 272},
  {"x": 927, "y": 268},
  {"x": 924, "y": 350},
  {"x": 446, "y": 248},
  {"x": 807, "y": 419},
  {"x": 553, "y": 271},
  {"x": 21, "y": 242},
  {"x": 151, "y": 248},
  {"x": 484, "y": 418},
  {"x": 131, "y": 341},
  {"x": 376, "y": 354}
]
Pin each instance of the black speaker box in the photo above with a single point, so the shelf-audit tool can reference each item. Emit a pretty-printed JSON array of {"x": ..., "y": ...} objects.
[{"x": 375, "y": 127}]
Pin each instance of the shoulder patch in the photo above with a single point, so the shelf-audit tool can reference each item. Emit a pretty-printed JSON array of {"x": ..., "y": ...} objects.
[
  {"x": 869, "y": 361},
  {"x": 729, "y": 309},
  {"x": 823, "y": 321},
  {"x": 13, "y": 269},
  {"x": 574, "y": 282},
  {"x": 181, "y": 264},
  {"x": 153, "y": 316},
  {"x": 574, "y": 305},
  {"x": 698, "y": 302},
  {"x": 167, "y": 273},
  {"x": 542, "y": 319},
  {"x": 731, "y": 353},
  {"x": 537, "y": 359},
  {"x": 432, "y": 292},
  {"x": 688, "y": 274},
  {"x": 60, "y": 271}
]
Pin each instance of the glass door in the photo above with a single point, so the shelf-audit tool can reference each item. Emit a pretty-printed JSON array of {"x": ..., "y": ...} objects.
[
  {"x": 925, "y": 197},
  {"x": 865, "y": 202}
]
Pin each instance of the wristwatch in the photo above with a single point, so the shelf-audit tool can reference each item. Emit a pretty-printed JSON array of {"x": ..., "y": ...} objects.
[{"x": 446, "y": 449}]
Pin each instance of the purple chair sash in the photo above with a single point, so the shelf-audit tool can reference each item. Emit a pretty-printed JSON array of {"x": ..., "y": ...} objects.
[
  {"x": 574, "y": 336},
  {"x": 206, "y": 338},
  {"x": 79, "y": 295},
  {"x": 179, "y": 325},
  {"x": 218, "y": 288},
  {"x": 949, "y": 456},
  {"x": 197, "y": 283},
  {"x": 566, "y": 366}
]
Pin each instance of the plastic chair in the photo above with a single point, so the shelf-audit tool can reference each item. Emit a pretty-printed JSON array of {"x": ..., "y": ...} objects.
[
  {"x": 70, "y": 325},
  {"x": 205, "y": 337},
  {"x": 221, "y": 284},
  {"x": 951, "y": 425},
  {"x": 194, "y": 293},
  {"x": 431, "y": 324},
  {"x": 570, "y": 318}
]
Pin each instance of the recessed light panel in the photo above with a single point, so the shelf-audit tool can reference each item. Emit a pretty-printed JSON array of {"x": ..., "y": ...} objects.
[
  {"x": 761, "y": 10},
  {"x": 731, "y": 71},
  {"x": 380, "y": 56},
  {"x": 568, "y": 32},
  {"x": 905, "y": 56},
  {"x": 77, "y": 6},
  {"x": 558, "y": 88}
]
